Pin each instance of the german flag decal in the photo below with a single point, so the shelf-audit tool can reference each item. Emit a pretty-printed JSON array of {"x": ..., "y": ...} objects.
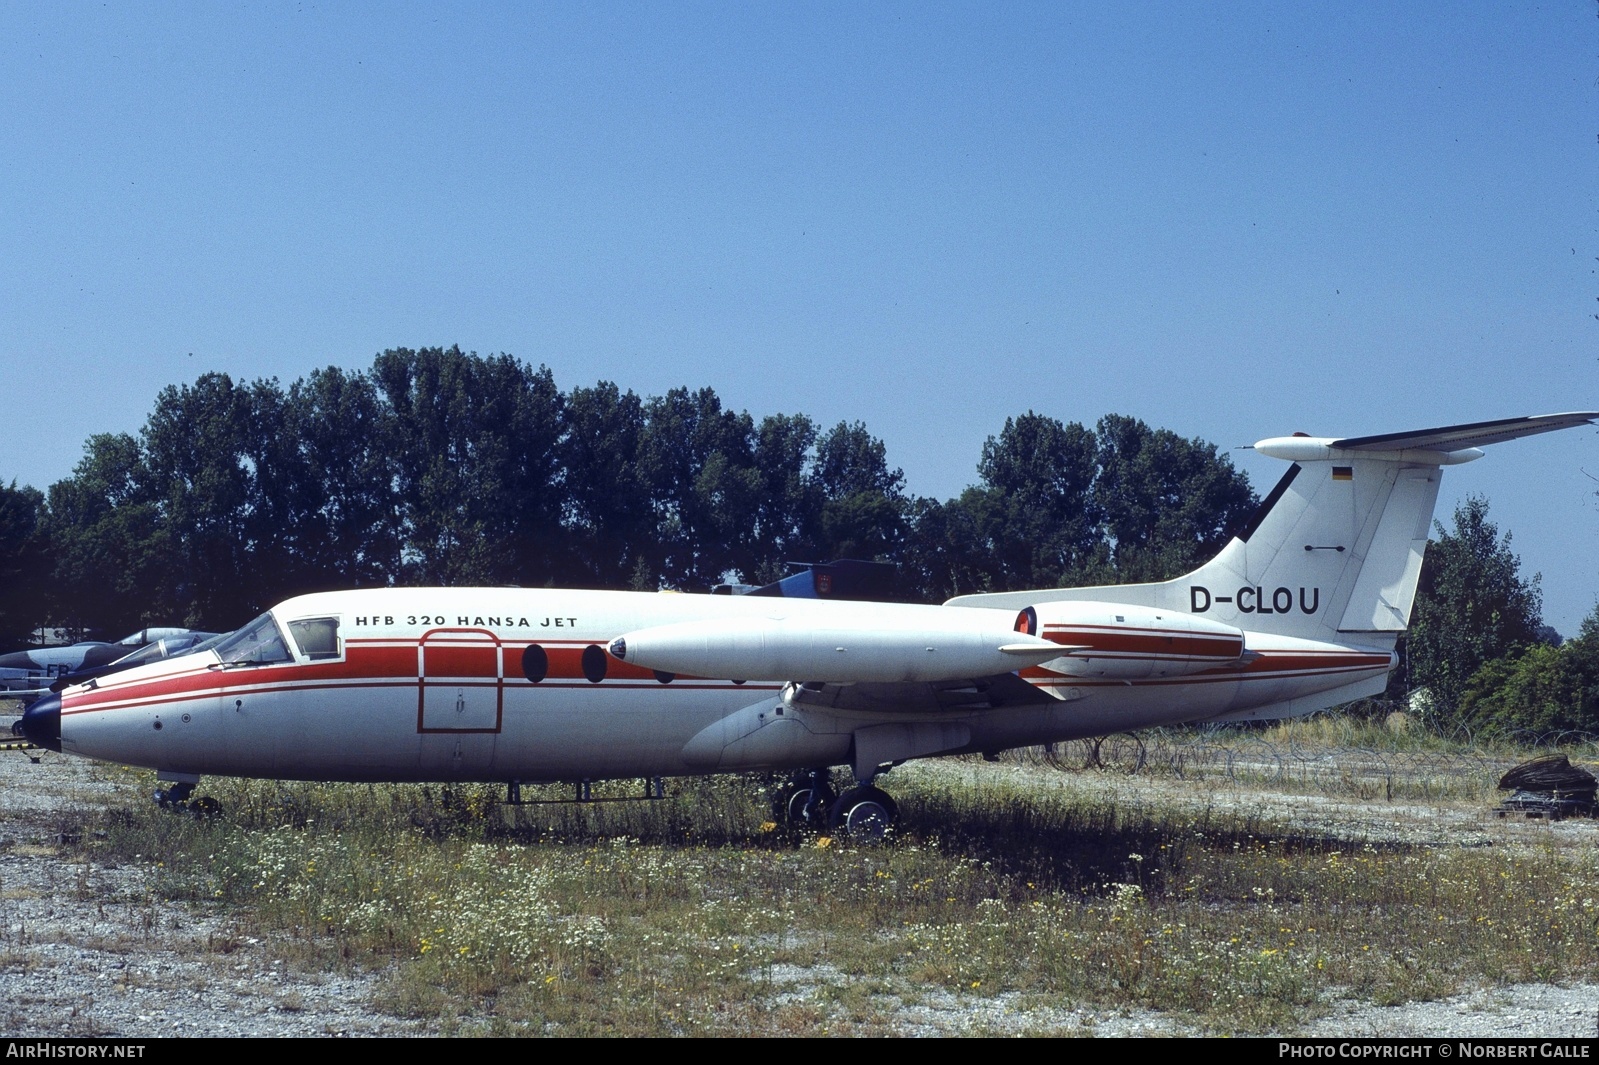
[{"x": 1343, "y": 473}]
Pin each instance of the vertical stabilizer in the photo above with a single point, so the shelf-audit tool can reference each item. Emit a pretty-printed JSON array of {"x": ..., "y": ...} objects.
[{"x": 1335, "y": 550}]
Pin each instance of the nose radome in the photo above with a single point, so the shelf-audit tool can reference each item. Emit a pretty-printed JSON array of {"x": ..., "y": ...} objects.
[{"x": 40, "y": 723}]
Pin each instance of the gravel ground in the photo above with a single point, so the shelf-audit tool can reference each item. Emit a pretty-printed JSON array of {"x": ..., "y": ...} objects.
[
  {"x": 87, "y": 949},
  {"x": 1522, "y": 1011}
]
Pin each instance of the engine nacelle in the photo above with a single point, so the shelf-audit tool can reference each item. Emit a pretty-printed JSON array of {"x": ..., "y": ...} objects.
[
  {"x": 1130, "y": 642},
  {"x": 847, "y": 643}
]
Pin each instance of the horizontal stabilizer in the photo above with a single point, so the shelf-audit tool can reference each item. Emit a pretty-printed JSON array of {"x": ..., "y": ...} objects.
[{"x": 1472, "y": 434}]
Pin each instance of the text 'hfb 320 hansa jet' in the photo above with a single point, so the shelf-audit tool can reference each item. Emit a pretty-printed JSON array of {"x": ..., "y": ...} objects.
[{"x": 1299, "y": 612}]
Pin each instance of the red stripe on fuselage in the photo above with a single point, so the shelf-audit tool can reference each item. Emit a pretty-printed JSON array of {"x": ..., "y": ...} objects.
[
  {"x": 388, "y": 663},
  {"x": 652, "y": 685},
  {"x": 1150, "y": 643}
]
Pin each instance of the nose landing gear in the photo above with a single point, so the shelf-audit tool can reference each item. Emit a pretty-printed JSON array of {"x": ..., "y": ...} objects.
[{"x": 174, "y": 795}]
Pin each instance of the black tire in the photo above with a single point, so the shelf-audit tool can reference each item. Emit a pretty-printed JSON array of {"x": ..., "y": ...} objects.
[
  {"x": 864, "y": 814},
  {"x": 800, "y": 798}
]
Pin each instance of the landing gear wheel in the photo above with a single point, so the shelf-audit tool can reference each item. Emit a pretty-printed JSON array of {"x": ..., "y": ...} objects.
[
  {"x": 865, "y": 814},
  {"x": 174, "y": 798},
  {"x": 808, "y": 806}
]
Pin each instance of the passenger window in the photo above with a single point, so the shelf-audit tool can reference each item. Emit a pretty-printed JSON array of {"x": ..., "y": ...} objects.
[{"x": 316, "y": 637}]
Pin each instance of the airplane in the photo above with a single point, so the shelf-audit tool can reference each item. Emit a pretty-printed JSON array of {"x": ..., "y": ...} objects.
[
  {"x": 843, "y": 578},
  {"x": 181, "y": 642},
  {"x": 28, "y": 673},
  {"x": 1297, "y": 613}
]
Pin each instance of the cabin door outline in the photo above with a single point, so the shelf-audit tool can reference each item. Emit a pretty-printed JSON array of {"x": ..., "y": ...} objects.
[{"x": 460, "y": 682}]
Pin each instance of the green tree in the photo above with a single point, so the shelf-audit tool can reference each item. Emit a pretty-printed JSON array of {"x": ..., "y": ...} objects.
[
  {"x": 1472, "y": 606},
  {"x": 478, "y": 473},
  {"x": 116, "y": 568},
  {"x": 945, "y": 552},
  {"x": 789, "y": 501},
  {"x": 863, "y": 503},
  {"x": 444, "y": 467},
  {"x": 23, "y": 562},
  {"x": 214, "y": 467},
  {"x": 1537, "y": 693},
  {"x": 1060, "y": 504},
  {"x": 340, "y": 462},
  {"x": 699, "y": 463},
  {"x": 1168, "y": 504},
  {"x": 610, "y": 518},
  {"x": 1040, "y": 524}
]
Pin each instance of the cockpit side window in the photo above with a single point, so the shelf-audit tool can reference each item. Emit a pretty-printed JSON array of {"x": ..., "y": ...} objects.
[
  {"x": 258, "y": 643},
  {"x": 317, "y": 637}
]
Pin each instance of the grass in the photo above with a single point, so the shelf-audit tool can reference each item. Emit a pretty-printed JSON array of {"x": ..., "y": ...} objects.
[
  {"x": 695, "y": 915},
  {"x": 1342, "y": 757}
]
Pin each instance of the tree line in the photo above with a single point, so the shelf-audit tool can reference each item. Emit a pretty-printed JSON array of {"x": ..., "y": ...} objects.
[{"x": 440, "y": 467}]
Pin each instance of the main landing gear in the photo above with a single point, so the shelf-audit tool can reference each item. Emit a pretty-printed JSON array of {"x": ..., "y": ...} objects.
[{"x": 864, "y": 813}]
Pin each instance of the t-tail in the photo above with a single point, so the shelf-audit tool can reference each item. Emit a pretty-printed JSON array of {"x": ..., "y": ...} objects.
[{"x": 1334, "y": 552}]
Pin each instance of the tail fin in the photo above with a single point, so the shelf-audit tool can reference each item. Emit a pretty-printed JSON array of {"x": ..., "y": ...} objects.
[{"x": 1335, "y": 549}]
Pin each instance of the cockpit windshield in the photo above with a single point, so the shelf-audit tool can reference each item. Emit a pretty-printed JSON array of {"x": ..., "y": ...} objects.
[{"x": 258, "y": 643}]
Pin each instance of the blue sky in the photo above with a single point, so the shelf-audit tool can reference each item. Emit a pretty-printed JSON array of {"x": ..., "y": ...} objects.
[{"x": 1233, "y": 220}]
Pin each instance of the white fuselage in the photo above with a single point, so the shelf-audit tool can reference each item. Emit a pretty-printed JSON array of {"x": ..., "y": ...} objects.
[{"x": 495, "y": 684}]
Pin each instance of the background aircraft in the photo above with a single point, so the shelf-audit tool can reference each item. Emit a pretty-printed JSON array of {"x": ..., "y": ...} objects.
[
  {"x": 182, "y": 643},
  {"x": 30, "y": 672},
  {"x": 844, "y": 578},
  {"x": 1297, "y": 613}
]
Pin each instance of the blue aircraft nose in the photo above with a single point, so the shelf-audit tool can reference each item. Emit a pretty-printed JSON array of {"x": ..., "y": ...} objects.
[{"x": 40, "y": 723}]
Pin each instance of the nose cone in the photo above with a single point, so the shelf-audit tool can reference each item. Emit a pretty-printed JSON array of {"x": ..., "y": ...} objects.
[
  {"x": 18, "y": 660},
  {"x": 41, "y": 723}
]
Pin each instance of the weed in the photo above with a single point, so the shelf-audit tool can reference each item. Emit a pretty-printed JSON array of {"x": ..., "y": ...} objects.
[{"x": 689, "y": 915}]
